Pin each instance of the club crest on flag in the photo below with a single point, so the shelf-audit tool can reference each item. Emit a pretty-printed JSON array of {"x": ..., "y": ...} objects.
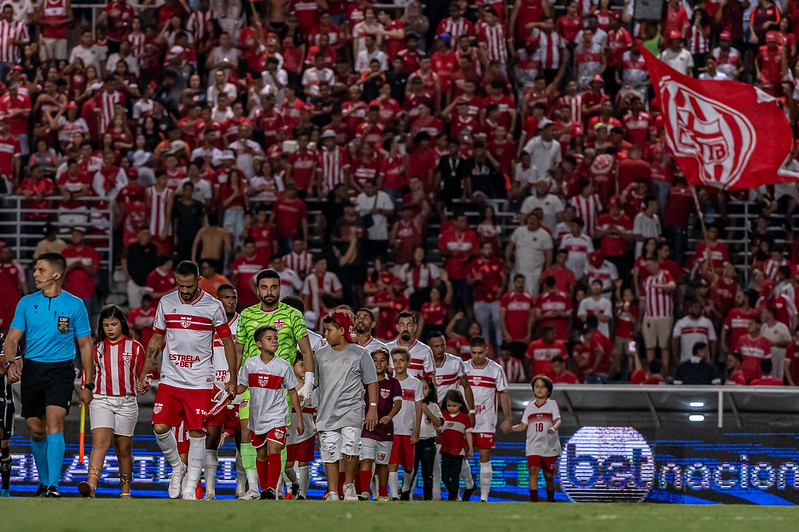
[{"x": 719, "y": 138}]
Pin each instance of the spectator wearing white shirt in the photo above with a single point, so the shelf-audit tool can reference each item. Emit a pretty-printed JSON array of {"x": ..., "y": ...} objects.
[
  {"x": 220, "y": 86},
  {"x": 532, "y": 246},
  {"x": 550, "y": 205},
  {"x": 691, "y": 329},
  {"x": 676, "y": 56},
  {"x": 646, "y": 225},
  {"x": 544, "y": 151},
  {"x": 125, "y": 55},
  {"x": 377, "y": 205},
  {"x": 711, "y": 70},
  {"x": 579, "y": 245},
  {"x": 370, "y": 52},
  {"x": 596, "y": 305},
  {"x": 202, "y": 187},
  {"x": 85, "y": 51},
  {"x": 319, "y": 73}
]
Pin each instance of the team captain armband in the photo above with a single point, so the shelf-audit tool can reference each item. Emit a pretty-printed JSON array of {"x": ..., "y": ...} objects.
[{"x": 223, "y": 330}]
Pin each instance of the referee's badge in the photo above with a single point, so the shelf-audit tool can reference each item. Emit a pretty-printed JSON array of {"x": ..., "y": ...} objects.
[{"x": 63, "y": 324}]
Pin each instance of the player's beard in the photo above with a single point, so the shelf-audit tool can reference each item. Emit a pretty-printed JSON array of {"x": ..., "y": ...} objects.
[
  {"x": 405, "y": 336},
  {"x": 269, "y": 301},
  {"x": 361, "y": 328},
  {"x": 188, "y": 298}
]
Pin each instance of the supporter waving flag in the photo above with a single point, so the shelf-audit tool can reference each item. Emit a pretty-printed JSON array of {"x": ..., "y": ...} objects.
[{"x": 724, "y": 134}]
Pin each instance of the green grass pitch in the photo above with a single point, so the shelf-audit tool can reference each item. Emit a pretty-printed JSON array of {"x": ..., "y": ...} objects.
[{"x": 228, "y": 515}]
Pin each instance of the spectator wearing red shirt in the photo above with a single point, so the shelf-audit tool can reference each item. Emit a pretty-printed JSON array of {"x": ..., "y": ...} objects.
[
  {"x": 35, "y": 188},
  {"x": 540, "y": 352},
  {"x": 771, "y": 64},
  {"x": 513, "y": 367},
  {"x": 389, "y": 302},
  {"x": 161, "y": 281},
  {"x": 141, "y": 320},
  {"x": 82, "y": 264},
  {"x": 261, "y": 232},
  {"x": 736, "y": 324},
  {"x": 243, "y": 272},
  {"x": 517, "y": 316},
  {"x": 433, "y": 314},
  {"x": 765, "y": 378},
  {"x": 458, "y": 245},
  {"x": 754, "y": 348},
  {"x": 600, "y": 353},
  {"x": 615, "y": 231},
  {"x": 649, "y": 376},
  {"x": 10, "y": 152},
  {"x": 15, "y": 108},
  {"x": 12, "y": 286},
  {"x": 118, "y": 16},
  {"x": 562, "y": 274},
  {"x": 553, "y": 308},
  {"x": 734, "y": 373},
  {"x": 303, "y": 166},
  {"x": 290, "y": 217},
  {"x": 560, "y": 375},
  {"x": 487, "y": 277},
  {"x": 717, "y": 250}
]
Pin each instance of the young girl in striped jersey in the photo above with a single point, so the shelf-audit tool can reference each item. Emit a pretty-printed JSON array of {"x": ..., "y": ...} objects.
[
  {"x": 456, "y": 436},
  {"x": 118, "y": 360}
]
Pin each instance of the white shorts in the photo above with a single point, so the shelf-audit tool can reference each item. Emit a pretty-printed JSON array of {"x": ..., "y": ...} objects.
[
  {"x": 334, "y": 443},
  {"x": 378, "y": 451},
  {"x": 112, "y": 412}
]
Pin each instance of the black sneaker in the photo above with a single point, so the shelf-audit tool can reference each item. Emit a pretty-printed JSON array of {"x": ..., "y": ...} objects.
[
  {"x": 268, "y": 493},
  {"x": 41, "y": 492},
  {"x": 405, "y": 496},
  {"x": 299, "y": 497},
  {"x": 363, "y": 496},
  {"x": 467, "y": 494},
  {"x": 52, "y": 493},
  {"x": 295, "y": 489}
]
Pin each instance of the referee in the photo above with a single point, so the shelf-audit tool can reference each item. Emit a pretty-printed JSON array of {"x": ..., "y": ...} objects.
[{"x": 51, "y": 320}]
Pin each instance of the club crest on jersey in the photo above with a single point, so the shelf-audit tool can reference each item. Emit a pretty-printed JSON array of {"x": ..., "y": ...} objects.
[
  {"x": 157, "y": 407},
  {"x": 477, "y": 380},
  {"x": 263, "y": 381},
  {"x": 185, "y": 321},
  {"x": 127, "y": 357},
  {"x": 63, "y": 324},
  {"x": 384, "y": 393},
  {"x": 279, "y": 324}
]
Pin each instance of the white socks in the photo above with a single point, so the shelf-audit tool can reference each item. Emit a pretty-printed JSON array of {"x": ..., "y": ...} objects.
[
  {"x": 241, "y": 476},
  {"x": 303, "y": 478},
  {"x": 437, "y": 474},
  {"x": 393, "y": 485},
  {"x": 407, "y": 479},
  {"x": 169, "y": 446},
  {"x": 196, "y": 454},
  {"x": 291, "y": 474},
  {"x": 252, "y": 479},
  {"x": 485, "y": 480},
  {"x": 466, "y": 475},
  {"x": 210, "y": 465}
]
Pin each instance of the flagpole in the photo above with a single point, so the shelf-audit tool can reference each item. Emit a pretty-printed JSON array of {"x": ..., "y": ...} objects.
[{"x": 701, "y": 220}]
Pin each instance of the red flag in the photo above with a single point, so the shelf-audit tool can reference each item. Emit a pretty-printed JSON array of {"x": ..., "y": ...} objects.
[{"x": 724, "y": 134}]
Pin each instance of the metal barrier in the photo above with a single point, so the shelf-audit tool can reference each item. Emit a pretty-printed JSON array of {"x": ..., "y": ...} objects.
[
  {"x": 23, "y": 227},
  {"x": 580, "y": 399}
]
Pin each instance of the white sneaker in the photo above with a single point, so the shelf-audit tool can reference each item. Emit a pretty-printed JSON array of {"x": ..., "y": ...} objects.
[
  {"x": 332, "y": 496},
  {"x": 189, "y": 495},
  {"x": 210, "y": 495},
  {"x": 176, "y": 481},
  {"x": 250, "y": 495},
  {"x": 349, "y": 492}
]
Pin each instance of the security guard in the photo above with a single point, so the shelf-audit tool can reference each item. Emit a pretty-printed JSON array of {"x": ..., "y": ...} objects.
[{"x": 51, "y": 320}]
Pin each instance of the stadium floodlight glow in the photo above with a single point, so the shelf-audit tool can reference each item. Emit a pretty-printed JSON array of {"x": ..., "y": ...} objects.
[
  {"x": 696, "y": 417},
  {"x": 526, "y": 403},
  {"x": 696, "y": 404}
]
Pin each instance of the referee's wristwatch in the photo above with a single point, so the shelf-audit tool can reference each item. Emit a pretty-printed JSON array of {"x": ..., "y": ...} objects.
[{"x": 89, "y": 386}]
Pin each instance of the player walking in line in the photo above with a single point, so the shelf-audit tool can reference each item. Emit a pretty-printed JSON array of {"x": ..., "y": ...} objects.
[
  {"x": 421, "y": 357},
  {"x": 292, "y": 334},
  {"x": 456, "y": 437},
  {"x": 51, "y": 321},
  {"x": 118, "y": 361},
  {"x": 407, "y": 424},
  {"x": 541, "y": 419},
  {"x": 267, "y": 376},
  {"x": 343, "y": 369},
  {"x": 184, "y": 327},
  {"x": 227, "y": 418},
  {"x": 488, "y": 383},
  {"x": 376, "y": 444}
]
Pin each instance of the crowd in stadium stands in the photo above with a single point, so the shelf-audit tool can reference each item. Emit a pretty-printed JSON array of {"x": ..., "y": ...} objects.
[{"x": 216, "y": 129}]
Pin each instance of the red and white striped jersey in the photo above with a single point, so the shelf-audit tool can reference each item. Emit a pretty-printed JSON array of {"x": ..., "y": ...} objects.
[
  {"x": 487, "y": 383},
  {"x": 189, "y": 329},
  {"x": 332, "y": 164},
  {"x": 589, "y": 63},
  {"x": 267, "y": 384},
  {"x": 456, "y": 29},
  {"x": 157, "y": 206},
  {"x": 118, "y": 365},
  {"x": 549, "y": 46},
  {"x": 197, "y": 21},
  {"x": 588, "y": 209},
  {"x": 105, "y": 107},
  {"x": 448, "y": 375},
  {"x": 422, "y": 363},
  {"x": 11, "y": 32},
  {"x": 314, "y": 286},
  {"x": 405, "y": 420},
  {"x": 220, "y": 362},
  {"x": 697, "y": 43},
  {"x": 658, "y": 302},
  {"x": 420, "y": 275},
  {"x": 575, "y": 104},
  {"x": 771, "y": 268},
  {"x": 513, "y": 368},
  {"x": 299, "y": 262},
  {"x": 492, "y": 38},
  {"x": 137, "y": 44}
]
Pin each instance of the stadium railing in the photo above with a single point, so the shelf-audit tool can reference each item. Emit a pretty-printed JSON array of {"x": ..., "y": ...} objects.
[
  {"x": 692, "y": 403},
  {"x": 23, "y": 227}
]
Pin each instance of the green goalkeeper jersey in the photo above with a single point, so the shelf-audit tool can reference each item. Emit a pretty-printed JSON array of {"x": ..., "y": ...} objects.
[{"x": 290, "y": 325}]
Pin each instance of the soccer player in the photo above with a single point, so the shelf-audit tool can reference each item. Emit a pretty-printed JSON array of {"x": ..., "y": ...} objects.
[
  {"x": 541, "y": 419},
  {"x": 421, "y": 357},
  {"x": 185, "y": 323},
  {"x": 292, "y": 334},
  {"x": 48, "y": 379},
  {"x": 342, "y": 370},
  {"x": 267, "y": 376},
  {"x": 407, "y": 424},
  {"x": 488, "y": 384},
  {"x": 376, "y": 444},
  {"x": 456, "y": 436},
  {"x": 118, "y": 361},
  {"x": 450, "y": 374},
  {"x": 229, "y": 298},
  {"x": 364, "y": 325}
]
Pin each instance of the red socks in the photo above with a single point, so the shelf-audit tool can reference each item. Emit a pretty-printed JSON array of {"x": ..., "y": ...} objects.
[
  {"x": 268, "y": 471},
  {"x": 534, "y": 496},
  {"x": 340, "y": 486},
  {"x": 382, "y": 491},
  {"x": 366, "y": 479}
]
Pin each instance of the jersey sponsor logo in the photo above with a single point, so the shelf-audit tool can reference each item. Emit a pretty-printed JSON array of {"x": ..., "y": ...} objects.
[
  {"x": 63, "y": 324},
  {"x": 407, "y": 395},
  {"x": 183, "y": 361},
  {"x": 157, "y": 407}
]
